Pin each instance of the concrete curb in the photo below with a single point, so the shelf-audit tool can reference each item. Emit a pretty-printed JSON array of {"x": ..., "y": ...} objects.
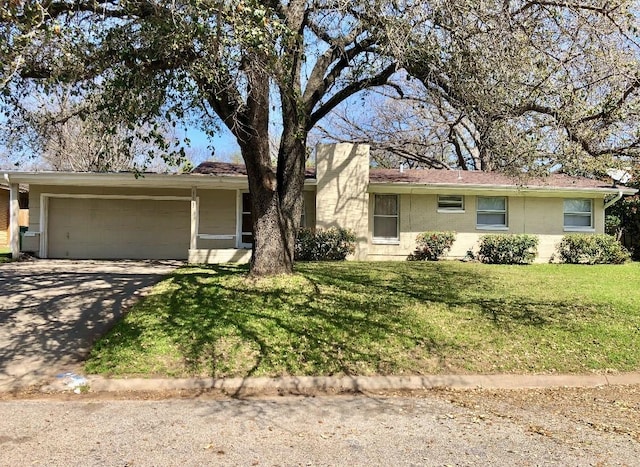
[{"x": 302, "y": 384}]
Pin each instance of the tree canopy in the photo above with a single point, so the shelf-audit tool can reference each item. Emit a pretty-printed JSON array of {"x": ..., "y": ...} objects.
[{"x": 512, "y": 86}]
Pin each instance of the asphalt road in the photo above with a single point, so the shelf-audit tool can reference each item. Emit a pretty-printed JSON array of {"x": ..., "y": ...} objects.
[{"x": 339, "y": 430}]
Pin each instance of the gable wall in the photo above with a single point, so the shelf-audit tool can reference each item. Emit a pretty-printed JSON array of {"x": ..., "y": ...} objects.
[{"x": 342, "y": 173}]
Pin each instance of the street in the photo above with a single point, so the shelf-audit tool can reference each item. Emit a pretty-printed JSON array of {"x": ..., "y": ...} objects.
[{"x": 424, "y": 428}]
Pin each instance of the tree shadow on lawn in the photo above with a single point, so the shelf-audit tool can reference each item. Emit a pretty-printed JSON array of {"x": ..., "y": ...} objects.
[
  {"x": 238, "y": 330},
  {"x": 332, "y": 318},
  {"x": 452, "y": 285}
]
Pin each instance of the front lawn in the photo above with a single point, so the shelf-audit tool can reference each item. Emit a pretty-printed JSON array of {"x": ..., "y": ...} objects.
[
  {"x": 5, "y": 254},
  {"x": 392, "y": 318}
]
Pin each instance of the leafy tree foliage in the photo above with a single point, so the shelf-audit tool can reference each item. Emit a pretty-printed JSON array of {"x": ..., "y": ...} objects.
[
  {"x": 510, "y": 85},
  {"x": 226, "y": 62},
  {"x": 60, "y": 132}
]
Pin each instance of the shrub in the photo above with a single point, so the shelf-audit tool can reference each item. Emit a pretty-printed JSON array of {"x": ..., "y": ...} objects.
[
  {"x": 508, "y": 248},
  {"x": 591, "y": 249},
  {"x": 324, "y": 245},
  {"x": 432, "y": 245}
]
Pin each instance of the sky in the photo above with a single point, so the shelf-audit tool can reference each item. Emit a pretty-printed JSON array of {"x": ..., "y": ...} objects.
[{"x": 223, "y": 143}]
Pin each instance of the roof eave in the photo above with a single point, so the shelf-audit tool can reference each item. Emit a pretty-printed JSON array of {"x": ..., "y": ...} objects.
[
  {"x": 404, "y": 187},
  {"x": 129, "y": 180}
]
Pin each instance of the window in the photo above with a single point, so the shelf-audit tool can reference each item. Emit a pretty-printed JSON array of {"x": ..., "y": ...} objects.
[
  {"x": 578, "y": 214},
  {"x": 385, "y": 218},
  {"x": 303, "y": 215},
  {"x": 246, "y": 228},
  {"x": 492, "y": 213},
  {"x": 450, "y": 203}
]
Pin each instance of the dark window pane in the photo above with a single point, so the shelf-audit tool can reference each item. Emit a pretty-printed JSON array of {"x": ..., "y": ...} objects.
[
  {"x": 572, "y": 220},
  {"x": 246, "y": 202},
  {"x": 386, "y": 205},
  {"x": 385, "y": 227},
  {"x": 246, "y": 223},
  {"x": 492, "y": 204},
  {"x": 491, "y": 219}
]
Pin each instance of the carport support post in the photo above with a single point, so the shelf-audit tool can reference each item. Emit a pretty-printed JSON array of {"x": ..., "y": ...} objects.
[
  {"x": 193, "y": 243},
  {"x": 14, "y": 223}
]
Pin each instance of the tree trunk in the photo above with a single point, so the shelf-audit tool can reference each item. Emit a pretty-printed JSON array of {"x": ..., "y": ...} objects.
[
  {"x": 276, "y": 199},
  {"x": 276, "y": 205},
  {"x": 273, "y": 244}
]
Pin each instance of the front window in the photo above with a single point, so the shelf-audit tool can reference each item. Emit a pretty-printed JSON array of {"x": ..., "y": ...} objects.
[
  {"x": 385, "y": 218},
  {"x": 578, "y": 214},
  {"x": 303, "y": 215},
  {"x": 246, "y": 233},
  {"x": 450, "y": 203},
  {"x": 492, "y": 212}
]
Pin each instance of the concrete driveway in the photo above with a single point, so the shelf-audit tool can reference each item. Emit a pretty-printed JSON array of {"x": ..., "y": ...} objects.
[{"x": 51, "y": 312}]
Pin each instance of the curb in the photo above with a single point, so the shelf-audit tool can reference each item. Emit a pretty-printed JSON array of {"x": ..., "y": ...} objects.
[{"x": 330, "y": 384}]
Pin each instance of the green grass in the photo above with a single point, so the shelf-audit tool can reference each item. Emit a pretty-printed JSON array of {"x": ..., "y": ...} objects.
[
  {"x": 390, "y": 318},
  {"x": 5, "y": 254}
]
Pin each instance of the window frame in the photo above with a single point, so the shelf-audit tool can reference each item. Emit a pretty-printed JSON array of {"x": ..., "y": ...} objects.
[
  {"x": 505, "y": 212},
  {"x": 303, "y": 214},
  {"x": 574, "y": 214},
  {"x": 241, "y": 213},
  {"x": 451, "y": 208},
  {"x": 386, "y": 240}
]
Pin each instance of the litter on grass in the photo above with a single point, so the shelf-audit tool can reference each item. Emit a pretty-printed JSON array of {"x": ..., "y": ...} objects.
[{"x": 72, "y": 380}]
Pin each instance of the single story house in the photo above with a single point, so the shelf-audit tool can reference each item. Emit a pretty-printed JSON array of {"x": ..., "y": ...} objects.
[{"x": 204, "y": 216}]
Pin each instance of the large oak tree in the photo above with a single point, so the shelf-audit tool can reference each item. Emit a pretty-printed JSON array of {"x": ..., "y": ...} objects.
[{"x": 233, "y": 61}]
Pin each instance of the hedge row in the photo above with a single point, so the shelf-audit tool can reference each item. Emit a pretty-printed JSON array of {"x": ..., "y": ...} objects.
[
  {"x": 336, "y": 244},
  {"x": 523, "y": 248}
]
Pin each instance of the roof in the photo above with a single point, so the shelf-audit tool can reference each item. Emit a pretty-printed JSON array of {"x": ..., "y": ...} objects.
[
  {"x": 228, "y": 168},
  {"x": 233, "y": 176},
  {"x": 478, "y": 178},
  {"x": 220, "y": 168}
]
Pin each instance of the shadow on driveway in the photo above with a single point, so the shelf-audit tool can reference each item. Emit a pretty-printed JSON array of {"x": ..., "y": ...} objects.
[{"x": 51, "y": 311}]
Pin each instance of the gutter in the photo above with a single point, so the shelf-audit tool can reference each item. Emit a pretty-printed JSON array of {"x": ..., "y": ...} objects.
[
  {"x": 400, "y": 188},
  {"x": 6, "y": 177},
  {"x": 613, "y": 201}
]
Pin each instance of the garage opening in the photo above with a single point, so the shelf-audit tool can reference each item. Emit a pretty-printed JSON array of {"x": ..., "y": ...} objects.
[{"x": 118, "y": 228}]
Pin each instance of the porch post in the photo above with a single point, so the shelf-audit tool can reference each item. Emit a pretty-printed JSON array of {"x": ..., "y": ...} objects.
[
  {"x": 193, "y": 244},
  {"x": 14, "y": 222}
]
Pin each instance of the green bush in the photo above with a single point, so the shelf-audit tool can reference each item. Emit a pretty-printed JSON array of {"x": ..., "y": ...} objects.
[
  {"x": 324, "y": 245},
  {"x": 508, "y": 248},
  {"x": 591, "y": 249},
  {"x": 432, "y": 245}
]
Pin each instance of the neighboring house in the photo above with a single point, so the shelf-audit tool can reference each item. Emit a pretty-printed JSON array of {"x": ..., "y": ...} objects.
[
  {"x": 23, "y": 213},
  {"x": 205, "y": 216}
]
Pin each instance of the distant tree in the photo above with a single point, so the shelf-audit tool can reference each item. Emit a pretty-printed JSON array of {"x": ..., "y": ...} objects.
[
  {"x": 512, "y": 85},
  {"x": 623, "y": 218},
  {"x": 62, "y": 132}
]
